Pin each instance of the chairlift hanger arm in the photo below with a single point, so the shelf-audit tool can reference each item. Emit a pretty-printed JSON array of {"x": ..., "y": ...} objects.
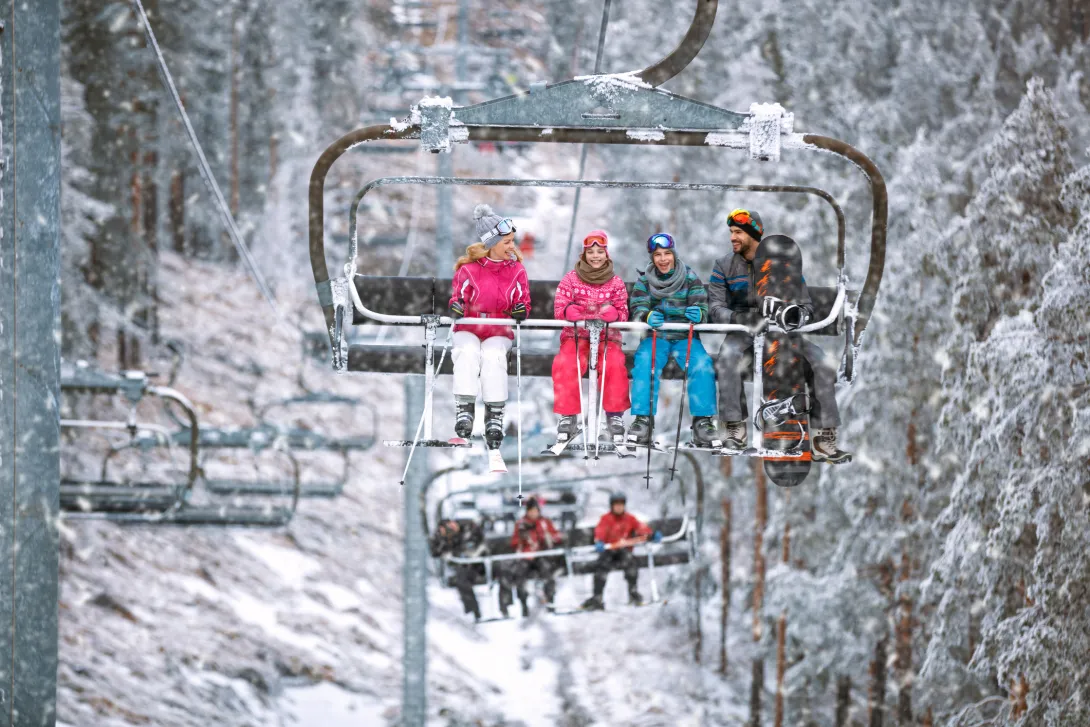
[{"x": 690, "y": 45}]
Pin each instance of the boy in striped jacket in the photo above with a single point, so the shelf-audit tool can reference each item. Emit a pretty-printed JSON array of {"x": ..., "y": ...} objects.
[{"x": 669, "y": 291}]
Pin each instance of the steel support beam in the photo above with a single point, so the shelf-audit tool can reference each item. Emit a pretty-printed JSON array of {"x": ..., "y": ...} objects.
[
  {"x": 30, "y": 170},
  {"x": 414, "y": 699}
]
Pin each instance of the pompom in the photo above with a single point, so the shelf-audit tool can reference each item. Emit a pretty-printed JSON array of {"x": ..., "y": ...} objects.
[{"x": 482, "y": 210}]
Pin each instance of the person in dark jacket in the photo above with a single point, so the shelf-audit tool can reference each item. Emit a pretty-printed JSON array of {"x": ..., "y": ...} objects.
[
  {"x": 617, "y": 531},
  {"x": 533, "y": 533},
  {"x": 669, "y": 291},
  {"x": 462, "y": 540},
  {"x": 732, "y": 300}
]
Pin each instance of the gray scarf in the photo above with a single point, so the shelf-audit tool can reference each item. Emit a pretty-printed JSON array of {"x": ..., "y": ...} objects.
[{"x": 663, "y": 287}]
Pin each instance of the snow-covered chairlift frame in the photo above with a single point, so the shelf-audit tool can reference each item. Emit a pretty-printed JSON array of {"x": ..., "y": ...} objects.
[
  {"x": 152, "y": 506},
  {"x": 627, "y": 108}
]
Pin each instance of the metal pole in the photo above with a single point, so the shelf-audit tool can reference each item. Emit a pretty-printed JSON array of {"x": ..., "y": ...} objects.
[
  {"x": 583, "y": 150},
  {"x": 414, "y": 708},
  {"x": 29, "y": 358},
  {"x": 444, "y": 207}
]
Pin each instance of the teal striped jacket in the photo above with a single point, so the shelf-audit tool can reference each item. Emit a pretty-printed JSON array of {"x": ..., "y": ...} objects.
[{"x": 641, "y": 303}]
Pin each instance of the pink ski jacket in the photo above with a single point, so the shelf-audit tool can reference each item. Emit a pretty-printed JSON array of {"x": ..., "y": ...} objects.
[
  {"x": 488, "y": 289},
  {"x": 573, "y": 291}
]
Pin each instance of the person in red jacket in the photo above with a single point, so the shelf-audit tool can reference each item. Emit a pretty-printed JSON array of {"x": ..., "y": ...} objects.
[
  {"x": 533, "y": 533},
  {"x": 591, "y": 291},
  {"x": 616, "y": 533}
]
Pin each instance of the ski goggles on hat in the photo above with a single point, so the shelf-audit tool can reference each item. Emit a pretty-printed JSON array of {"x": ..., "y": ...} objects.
[
  {"x": 743, "y": 218},
  {"x": 503, "y": 227},
  {"x": 660, "y": 240},
  {"x": 591, "y": 240}
]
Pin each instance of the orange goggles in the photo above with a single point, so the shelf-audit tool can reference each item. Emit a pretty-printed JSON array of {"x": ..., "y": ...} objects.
[
  {"x": 593, "y": 240},
  {"x": 745, "y": 219}
]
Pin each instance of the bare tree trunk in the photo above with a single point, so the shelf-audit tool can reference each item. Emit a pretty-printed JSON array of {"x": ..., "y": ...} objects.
[
  {"x": 177, "y": 211},
  {"x": 843, "y": 700},
  {"x": 878, "y": 684},
  {"x": 230, "y": 252},
  {"x": 757, "y": 682},
  {"x": 903, "y": 663},
  {"x": 724, "y": 561},
  {"x": 1019, "y": 690},
  {"x": 128, "y": 346},
  {"x": 781, "y": 624}
]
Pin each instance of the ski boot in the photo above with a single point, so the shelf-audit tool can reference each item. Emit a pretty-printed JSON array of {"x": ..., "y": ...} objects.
[
  {"x": 634, "y": 597},
  {"x": 706, "y": 434},
  {"x": 594, "y": 603},
  {"x": 737, "y": 435},
  {"x": 476, "y": 614},
  {"x": 614, "y": 429},
  {"x": 525, "y": 607},
  {"x": 567, "y": 428},
  {"x": 823, "y": 447},
  {"x": 463, "y": 419},
  {"x": 640, "y": 431},
  {"x": 493, "y": 425}
]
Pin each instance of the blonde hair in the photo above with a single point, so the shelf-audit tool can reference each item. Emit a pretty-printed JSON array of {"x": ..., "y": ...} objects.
[{"x": 476, "y": 251}]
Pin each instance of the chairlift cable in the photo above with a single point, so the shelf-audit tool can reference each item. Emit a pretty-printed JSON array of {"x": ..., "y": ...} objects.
[
  {"x": 203, "y": 166},
  {"x": 583, "y": 151}
]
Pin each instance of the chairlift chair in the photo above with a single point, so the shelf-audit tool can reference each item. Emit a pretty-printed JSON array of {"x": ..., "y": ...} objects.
[
  {"x": 627, "y": 109},
  {"x": 151, "y": 502}
]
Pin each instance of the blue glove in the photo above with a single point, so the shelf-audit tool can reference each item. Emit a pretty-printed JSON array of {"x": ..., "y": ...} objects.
[
  {"x": 657, "y": 537},
  {"x": 655, "y": 318},
  {"x": 693, "y": 313},
  {"x": 599, "y": 546}
]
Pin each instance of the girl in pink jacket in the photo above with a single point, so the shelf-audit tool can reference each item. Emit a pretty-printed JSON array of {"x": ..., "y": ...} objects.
[
  {"x": 489, "y": 282},
  {"x": 590, "y": 291}
]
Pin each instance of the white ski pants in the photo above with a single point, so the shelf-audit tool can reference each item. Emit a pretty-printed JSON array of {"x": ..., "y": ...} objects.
[{"x": 480, "y": 361}]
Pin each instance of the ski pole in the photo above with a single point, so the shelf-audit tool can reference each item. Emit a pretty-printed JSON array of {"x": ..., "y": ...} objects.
[
  {"x": 594, "y": 334},
  {"x": 428, "y": 394},
  {"x": 602, "y": 390},
  {"x": 681, "y": 409},
  {"x": 518, "y": 387},
  {"x": 579, "y": 381},
  {"x": 651, "y": 408}
]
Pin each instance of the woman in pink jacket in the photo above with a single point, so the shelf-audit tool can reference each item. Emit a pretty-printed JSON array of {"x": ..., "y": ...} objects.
[
  {"x": 489, "y": 282},
  {"x": 590, "y": 291}
]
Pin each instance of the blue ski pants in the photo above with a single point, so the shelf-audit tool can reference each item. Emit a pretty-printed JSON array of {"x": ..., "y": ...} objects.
[{"x": 701, "y": 387}]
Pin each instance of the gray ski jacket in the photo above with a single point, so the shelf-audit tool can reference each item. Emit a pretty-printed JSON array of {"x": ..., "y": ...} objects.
[{"x": 731, "y": 290}]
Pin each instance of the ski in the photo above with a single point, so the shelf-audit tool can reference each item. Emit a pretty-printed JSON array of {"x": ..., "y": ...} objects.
[
  {"x": 556, "y": 449},
  {"x": 496, "y": 465},
  {"x": 453, "y": 443}
]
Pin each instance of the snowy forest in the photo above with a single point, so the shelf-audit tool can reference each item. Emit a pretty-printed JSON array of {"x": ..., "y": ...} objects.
[{"x": 942, "y": 578}]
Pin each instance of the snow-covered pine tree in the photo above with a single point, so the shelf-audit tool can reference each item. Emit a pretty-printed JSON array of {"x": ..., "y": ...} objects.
[{"x": 1014, "y": 508}]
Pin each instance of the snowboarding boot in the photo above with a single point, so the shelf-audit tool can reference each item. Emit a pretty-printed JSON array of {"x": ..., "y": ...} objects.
[
  {"x": 493, "y": 425},
  {"x": 737, "y": 436},
  {"x": 566, "y": 428},
  {"x": 594, "y": 603},
  {"x": 640, "y": 431},
  {"x": 823, "y": 447},
  {"x": 634, "y": 597},
  {"x": 706, "y": 434},
  {"x": 463, "y": 419},
  {"x": 614, "y": 428}
]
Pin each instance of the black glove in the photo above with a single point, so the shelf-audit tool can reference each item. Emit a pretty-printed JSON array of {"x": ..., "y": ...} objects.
[
  {"x": 457, "y": 310},
  {"x": 771, "y": 306},
  {"x": 518, "y": 312}
]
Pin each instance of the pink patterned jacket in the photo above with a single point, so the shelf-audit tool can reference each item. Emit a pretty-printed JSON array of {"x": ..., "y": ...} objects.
[
  {"x": 573, "y": 291},
  {"x": 488, "y": 289}
]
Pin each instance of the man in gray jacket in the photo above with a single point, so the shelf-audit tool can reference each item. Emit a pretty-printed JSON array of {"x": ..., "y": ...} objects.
[{"x": 730, "y": 301}]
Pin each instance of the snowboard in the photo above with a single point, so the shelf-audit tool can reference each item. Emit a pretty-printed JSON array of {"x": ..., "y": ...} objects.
[{"x": 783, "y": 418}]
